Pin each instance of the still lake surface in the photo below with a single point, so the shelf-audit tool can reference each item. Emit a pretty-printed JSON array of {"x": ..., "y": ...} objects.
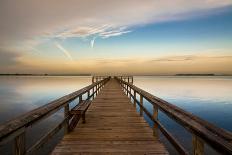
[{"x": 207, "y": 97}]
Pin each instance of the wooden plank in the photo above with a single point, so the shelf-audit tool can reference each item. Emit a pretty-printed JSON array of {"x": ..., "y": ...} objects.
[
  {"x": 37, "y": 115},
  {"x": 112, "y": 127},
  {"x": 216, "y": 137}
]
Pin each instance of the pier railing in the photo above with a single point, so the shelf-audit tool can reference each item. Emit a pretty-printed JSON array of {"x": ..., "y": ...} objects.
[
  {"x": 201, "y": 130},
  {"x": 16, "y": 129},
  {"x": 98, "y": 78}
]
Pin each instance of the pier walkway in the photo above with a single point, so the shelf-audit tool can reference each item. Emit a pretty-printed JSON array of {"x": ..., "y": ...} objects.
[
  {"x": 112, "y": 127},
  {"x": 101, "y": 118}
]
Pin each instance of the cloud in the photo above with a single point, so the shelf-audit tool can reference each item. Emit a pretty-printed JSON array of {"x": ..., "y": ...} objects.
[
  {"x": 92, "y": 42},
  {"x": 61, "y": 48},
  {"x": 176, "y": 58},
  {"x": 8, "y": 58},
  {"x": 31, "y": 19},
  {"x": 104, "y": 32}
]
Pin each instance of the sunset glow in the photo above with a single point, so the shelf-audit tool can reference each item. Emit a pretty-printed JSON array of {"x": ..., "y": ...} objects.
[{"x": 116, "y": 37}]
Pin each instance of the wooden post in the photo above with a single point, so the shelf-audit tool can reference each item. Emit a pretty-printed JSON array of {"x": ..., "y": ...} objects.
[
  {"x": 130, "y": 94},
  {"x": 88, "y": 94},
  {"x": 96, "y": 90},
  {"x": 155, "y": 116},
  {"x": 66, "y": 113},
  {"x": 80, "y": 98},
  {"x": 93, "y": 92},
  {"x": 141, "y": 102},
  {"x": 127, "y": 90},
  {"x": 20, "y": 144},
  {"x": 198, "y": 145},
  {"x": 134, "y": 98},
  {"x": 128, "y": 79}
]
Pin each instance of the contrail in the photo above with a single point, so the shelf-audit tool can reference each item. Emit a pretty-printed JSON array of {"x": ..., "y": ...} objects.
[
  {"x": 64, "y": 51},
  {"x": 92, "y": 42}
]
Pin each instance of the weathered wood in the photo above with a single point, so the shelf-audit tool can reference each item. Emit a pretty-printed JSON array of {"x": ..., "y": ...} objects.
[
  {"x": 66, "y": 114},
  {"x": 20, "y": 144},
  {"x": 134, "y": 98},
  {"x": 198, "y": 145},
  {"x": 217, "y": 138},
  {"x": 80, "y": 98},
  {"x": 74, "y": 121},
  {"x": 141, "y": 102},
  {"x": 127, "y": 90},
  {"x": 15, "y": 129},
  {"x": 93, "y": 93},
  {"x": 155, "y": 115},
  {"x": 113, "y": 127},
  {"x": 80, "y": 109},
  {"x": 47, "y": 137},
  {"x": 88, "y": 94},
  {"x": 168, "y": 135},
  {"x": 40, "y": 113}
]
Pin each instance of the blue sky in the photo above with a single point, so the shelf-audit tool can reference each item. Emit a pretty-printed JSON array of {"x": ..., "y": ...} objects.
[
  {"x": 192, "y": 33},
  {"x": 208, "y": 33}
]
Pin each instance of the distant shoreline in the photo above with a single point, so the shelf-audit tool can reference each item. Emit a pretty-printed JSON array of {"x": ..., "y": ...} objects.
[
  {"x": 195, "y": 75},
  {"x": 45, "y": 74},
  {"x": 17, "y": 74}
]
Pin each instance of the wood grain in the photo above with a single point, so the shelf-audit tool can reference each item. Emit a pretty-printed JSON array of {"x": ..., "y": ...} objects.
[{"x": 112, "y": 127}]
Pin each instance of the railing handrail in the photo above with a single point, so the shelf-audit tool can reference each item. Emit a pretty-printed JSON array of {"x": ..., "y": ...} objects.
[
  {"x": 39, "y": 113},
  {"x": 218, "y": 138}
]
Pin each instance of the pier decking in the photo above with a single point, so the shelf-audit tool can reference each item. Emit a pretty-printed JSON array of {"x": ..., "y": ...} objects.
[{"x": 112, "y": 127}]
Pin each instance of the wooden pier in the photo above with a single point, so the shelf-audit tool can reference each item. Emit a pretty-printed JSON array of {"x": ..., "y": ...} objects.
[{"x": 111, "y": 125}]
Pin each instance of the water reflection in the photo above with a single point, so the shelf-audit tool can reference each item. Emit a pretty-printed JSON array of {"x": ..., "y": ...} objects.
[
  {"x": 208, "y": 97},
  {"x": 21, "y": 94}
]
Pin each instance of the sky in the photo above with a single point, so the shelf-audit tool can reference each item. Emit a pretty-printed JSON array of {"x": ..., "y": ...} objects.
[{"x": 116, "y": 37}]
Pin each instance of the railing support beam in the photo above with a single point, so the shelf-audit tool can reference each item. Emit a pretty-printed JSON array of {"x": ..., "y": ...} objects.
[
  {"x": 198, "y": 145},
  {"x": 134, "y": 98},
  {"x": 20, "y": 144},
  {"x": 66, "y": 124},
  {"x": 155, "y": 116},
  {"x": 141, "y": 102}
]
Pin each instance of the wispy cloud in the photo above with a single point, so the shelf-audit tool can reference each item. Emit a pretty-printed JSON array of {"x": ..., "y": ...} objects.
[
  {"x": 176, "y": 58},
  {"x": 86, "y": 18},
  {"x": 92, "y": 42},
  {"x": 104, "y": 31},
  {"x": 61, "y": 48}
]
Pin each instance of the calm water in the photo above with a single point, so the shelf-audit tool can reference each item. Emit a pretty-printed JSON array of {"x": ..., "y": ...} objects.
[{"x": 207, "y": 97}]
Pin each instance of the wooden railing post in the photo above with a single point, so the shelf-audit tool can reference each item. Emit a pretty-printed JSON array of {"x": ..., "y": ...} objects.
[
  {"x": 141, "y": 102},
  {"x": 130, "y": 94},
  {"x": 127, "y": 90},
  {"x": 96, "y": 90},
  {"x": 66, "y": 113},
  {"x": 20, "y": 144},
  {"x": 134, "y": 98},
  {"x": 92, "y": 79},
  {"x": 155, "y": 116},
  {"x": 88, "y": 94},
  {"x": 198, "y": 145},
  {"x": 80, "y": 98}
]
